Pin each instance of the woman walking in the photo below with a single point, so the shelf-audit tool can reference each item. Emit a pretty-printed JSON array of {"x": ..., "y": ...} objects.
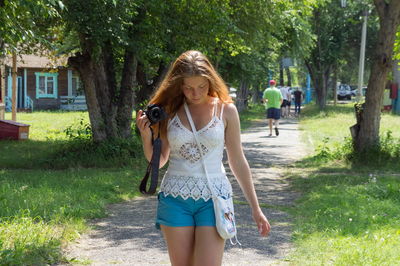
[{"x": 192, "y": 91}]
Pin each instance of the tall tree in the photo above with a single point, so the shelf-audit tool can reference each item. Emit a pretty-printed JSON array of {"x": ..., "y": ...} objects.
[
  {"x": 22, "y": 30},
  {"x": 122, "y": 48},
  {"x": 22, "y": 25},
  {"x": 329, "y": 41},
  {"x": 337, "y": 32},
  {"x": 266, "y": 28},
  {"x": 389, "y": 19},
  {"x": 123, "y": 44}
]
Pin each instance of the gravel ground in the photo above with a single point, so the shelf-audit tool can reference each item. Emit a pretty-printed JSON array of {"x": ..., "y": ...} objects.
[{"x": 128, "y": 236}]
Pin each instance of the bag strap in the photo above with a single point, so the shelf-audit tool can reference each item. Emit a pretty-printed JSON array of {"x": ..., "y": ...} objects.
[
  {"x": 152, "y": 169},
  {"x": 199, "y": 147},
  {"x": 202, "y": 160}
]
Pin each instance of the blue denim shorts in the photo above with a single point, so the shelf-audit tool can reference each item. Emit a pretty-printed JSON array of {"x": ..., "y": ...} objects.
[
  {"x": 177, "y": 212},
  {"x": 274, "y": 113}
]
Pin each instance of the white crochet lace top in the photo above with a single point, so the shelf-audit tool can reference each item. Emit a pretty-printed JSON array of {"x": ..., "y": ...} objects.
[{"x": 185, "y": 175}]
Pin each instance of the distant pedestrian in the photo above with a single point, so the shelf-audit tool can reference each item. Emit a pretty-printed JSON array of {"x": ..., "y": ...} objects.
[
  {"x": 298, "y": 99},
  {"x": 289, "y": 101},
  {"x": 273, "y": 99},
  {"x": 285, "y": 105}
]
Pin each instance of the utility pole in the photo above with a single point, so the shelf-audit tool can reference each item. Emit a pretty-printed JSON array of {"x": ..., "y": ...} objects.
[
  {"x": 14, "y": 88},
  {"x": 362, "y": 52},
  {"x": 362, "y": 57}
]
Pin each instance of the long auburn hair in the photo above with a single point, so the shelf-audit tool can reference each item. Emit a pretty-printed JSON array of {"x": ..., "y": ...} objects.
[{"x": 191, "y": 63}]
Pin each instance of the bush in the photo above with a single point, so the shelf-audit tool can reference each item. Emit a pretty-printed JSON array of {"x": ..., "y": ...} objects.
[
  {"x": 386, "y": 153},
  {"x": 86, "y": 153},
  {"x": 81, "y": 151},
  {"x": 82, "y": 130}
]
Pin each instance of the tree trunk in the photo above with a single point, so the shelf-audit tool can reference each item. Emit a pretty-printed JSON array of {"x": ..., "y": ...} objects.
[
  {"x": 334, "y": 85},
  {"x": 145, "y": 89},
  {"x": 389, "y": 18},
  {"x": 242, "y": 95},
  {"x": 322, "y": 91},
  {"x": 289, "y": 77},
  {"x": 281, "y": 77},
  {"x": 110, "y": 108},
  {"x": 318, "y": 66},
  {"x": 319, "y": 79},
  {"x": 126, "y": 101},
  {"x": 256, "y": 97}
]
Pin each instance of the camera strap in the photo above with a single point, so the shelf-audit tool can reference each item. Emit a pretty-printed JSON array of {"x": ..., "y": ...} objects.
[{"x": 152, "y": 168}]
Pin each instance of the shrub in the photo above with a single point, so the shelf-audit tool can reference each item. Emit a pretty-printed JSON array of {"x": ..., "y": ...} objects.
[
  {"x": 387, "y": 152},
  {"x": 82, "y": 130}
]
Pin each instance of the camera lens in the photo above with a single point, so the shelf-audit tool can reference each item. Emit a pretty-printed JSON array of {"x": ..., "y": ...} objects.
[{"x": 156, "y": 113}]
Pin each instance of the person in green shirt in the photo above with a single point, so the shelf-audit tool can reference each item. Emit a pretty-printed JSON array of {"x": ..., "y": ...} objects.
[{"x": 273, "y": 99}]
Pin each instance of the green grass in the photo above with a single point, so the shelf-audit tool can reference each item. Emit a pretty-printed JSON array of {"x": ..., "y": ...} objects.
[
  {"x": 50, "y": 147},
  {"x": 45, "y": 126},
  {"x": 347, "y": 220},
  {"x": 328, "y": 133},
  {"x": 50, "y": 185},
  {"x": 41, "y": 209},
  {"x": 334, "y": 123},
  {"x": 254, "y": 112},
  {"x": 349, "y": 214}
]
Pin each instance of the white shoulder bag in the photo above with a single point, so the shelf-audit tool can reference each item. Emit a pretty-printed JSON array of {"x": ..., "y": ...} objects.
[{"x": 223, "y": 208}]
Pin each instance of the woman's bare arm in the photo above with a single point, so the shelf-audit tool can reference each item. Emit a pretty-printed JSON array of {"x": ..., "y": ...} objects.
[
  {"x": 143, "y": 125},
  {"x": 240, "y": 167}
]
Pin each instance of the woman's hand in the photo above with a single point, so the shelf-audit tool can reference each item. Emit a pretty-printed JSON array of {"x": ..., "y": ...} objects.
[
  {"x": 143, "y": 124},
  {"x": 262, "y": 222}
]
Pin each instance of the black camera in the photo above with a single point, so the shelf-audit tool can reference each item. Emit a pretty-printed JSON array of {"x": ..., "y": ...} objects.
[{"x": 155, "y": 113}]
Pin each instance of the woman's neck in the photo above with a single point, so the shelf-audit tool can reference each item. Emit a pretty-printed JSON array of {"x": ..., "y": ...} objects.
[{"x": 207, "y": 101}]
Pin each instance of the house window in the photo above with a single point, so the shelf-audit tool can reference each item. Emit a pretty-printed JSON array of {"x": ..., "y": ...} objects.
[
  {"x": 76, "y": 86},
  {"x": 46, "y": 85}
]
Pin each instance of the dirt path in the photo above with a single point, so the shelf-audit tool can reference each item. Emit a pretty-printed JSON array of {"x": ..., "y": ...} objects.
[{"x": 128, "y": 235}]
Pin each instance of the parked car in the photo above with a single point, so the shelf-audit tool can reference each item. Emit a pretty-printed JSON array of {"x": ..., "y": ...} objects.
[
  {"x": 354, "y": 90},
  {"x": 344, "y": 92}
]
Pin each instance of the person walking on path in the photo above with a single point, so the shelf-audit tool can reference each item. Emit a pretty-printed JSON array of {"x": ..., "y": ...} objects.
[
  {"x": 285, "y": 106},
  {"x": 194, "y": 95},
  {"x": 298, "y": 99},
  {"x": 273, "y": 99}
]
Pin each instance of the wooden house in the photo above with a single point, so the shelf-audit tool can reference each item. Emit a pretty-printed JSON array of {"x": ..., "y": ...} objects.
[{"x": 42, "y": 84}]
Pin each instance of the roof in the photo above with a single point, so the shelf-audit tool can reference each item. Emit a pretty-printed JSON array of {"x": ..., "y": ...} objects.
[
  {"x": 13, "y": 123},
  {"x": 35, "y": 61}
]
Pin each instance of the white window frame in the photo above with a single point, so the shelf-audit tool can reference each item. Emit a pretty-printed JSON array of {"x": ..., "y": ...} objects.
[{"x": 55, "y": 85}]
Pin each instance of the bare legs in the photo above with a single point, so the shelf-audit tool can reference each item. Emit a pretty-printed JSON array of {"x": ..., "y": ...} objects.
[
  {"x": 180, "y": 242},
  {"x": 270, "y": 126},
  {"x": 283, "y": 111},
  {"x": 271, "y": 122},
  {"x": 209, "y": 246},
  {"x": 193, "y": 245}
]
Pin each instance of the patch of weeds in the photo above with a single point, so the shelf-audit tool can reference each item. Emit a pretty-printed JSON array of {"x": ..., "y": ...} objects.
[
  {"x": 386, "y": 154},
  {"x": 86, "y": 153},
  {"x": 28, "y": 241},
  {"x": 82, "y": 130}
]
